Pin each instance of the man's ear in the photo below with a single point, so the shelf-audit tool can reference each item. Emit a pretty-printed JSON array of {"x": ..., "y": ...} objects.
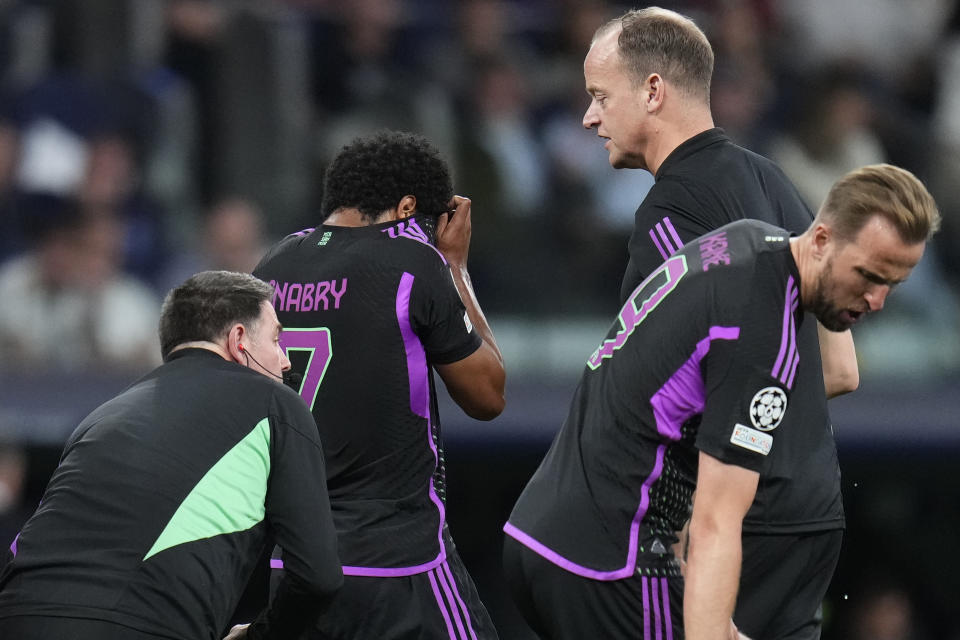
[
  {"x": 406, "y": 207},
  {"x": 235, "y": 346},
  {"x": 823, "y": 238},
  {"x": 654, "y": 92}
]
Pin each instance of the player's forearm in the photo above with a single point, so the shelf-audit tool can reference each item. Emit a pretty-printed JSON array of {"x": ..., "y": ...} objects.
[
  {"x": 711, "y": 580},
  {"x": 461, "y": 277},
  {"x": 841, "y": 373}
]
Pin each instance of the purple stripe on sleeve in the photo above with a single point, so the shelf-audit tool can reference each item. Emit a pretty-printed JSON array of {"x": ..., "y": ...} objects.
[
  {"x": 645, "y": 582},
  {"x": 276, "y": 563},
  {"x": 13, "y": 545},
  {"x": 665, "y": 595},
  {"x": 459, "y": 599},
  {"x": 441, "y": 605},
  {"x": 656, "y": 241},
  {"x": 655, "y": 601},
  {"x": 791, "y": 352},
  {"x": 678, "y": 243},
  {"x": 785, "y": 341},
  {"x": 663, "y": 238},
  {"x": 793, "y": 370}
]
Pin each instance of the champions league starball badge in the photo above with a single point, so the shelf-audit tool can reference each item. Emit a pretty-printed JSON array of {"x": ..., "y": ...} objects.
[{"x": 767, "y": 408}]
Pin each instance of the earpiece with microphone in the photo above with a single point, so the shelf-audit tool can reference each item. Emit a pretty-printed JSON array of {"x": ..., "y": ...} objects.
[{"x": 288, "y": 377}]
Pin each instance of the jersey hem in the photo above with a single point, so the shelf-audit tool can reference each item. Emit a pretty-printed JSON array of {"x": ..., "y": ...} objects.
[{"x": 567, "y": 565}]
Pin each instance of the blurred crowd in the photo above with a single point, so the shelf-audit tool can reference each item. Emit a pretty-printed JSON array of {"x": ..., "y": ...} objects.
[{"x": 143, "y": 140}]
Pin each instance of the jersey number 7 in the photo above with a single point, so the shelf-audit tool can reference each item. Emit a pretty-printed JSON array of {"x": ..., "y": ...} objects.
[{"x": 316, "y": 341}]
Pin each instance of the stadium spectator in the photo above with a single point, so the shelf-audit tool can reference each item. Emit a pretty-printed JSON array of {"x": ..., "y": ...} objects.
[
  {"x": 831, "y": 132},
  {"x": 233, "y": 238},
  {"x": 70, "y": 306}
]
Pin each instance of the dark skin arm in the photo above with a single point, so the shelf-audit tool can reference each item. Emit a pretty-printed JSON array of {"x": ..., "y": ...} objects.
[{"x": 477, "y": 382}]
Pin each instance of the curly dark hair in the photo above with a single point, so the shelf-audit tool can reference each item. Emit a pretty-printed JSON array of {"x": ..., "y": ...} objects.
[
  {"x": 373, "y": 173},
  {"x": 207, "y": 304}
]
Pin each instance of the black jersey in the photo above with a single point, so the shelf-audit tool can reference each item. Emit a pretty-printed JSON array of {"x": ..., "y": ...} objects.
[
  {"x": 704, "y": 184},
  {"x": 163, "y": 501},
  {"x": 366, "y": 312},
  {"x": 617, "y": 480}
]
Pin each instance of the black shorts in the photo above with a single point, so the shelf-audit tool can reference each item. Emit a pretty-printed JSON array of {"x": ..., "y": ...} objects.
[
  {"x": 782, "y": 584},
  {"x": 559, "y": 605},
  {"x": 439, "y": 604},
  {"x": 57, "y": 628}
]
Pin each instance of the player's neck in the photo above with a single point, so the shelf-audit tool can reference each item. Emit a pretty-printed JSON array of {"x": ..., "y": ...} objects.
[
  {"x": 347, "y": 217},
  {"x": 352, "y": 217},
  {"x": 802, "y": 249},
  {"x": 218, "y": 349}
]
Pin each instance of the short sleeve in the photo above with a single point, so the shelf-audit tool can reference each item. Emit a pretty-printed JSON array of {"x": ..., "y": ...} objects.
[
  {"x": 439, "y": 317},
  {"x": 748, "y": 380}
]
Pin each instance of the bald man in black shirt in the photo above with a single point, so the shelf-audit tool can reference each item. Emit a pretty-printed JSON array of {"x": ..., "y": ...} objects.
[{"x": 649, "y": 73}]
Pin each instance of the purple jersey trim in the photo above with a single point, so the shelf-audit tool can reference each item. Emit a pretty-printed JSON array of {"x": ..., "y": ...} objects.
[
  {"x": 568, "y": 565},
  {"x": 13, "y": 545},
  {"x": 683, "y": 394},
  {"x": 411, "y": 230},
  {"x": 417, "y": 372},
  {"x": 681, "y": 397},
  {"x": 785, "y": 368},
  {"x": 305, "y": 232}
]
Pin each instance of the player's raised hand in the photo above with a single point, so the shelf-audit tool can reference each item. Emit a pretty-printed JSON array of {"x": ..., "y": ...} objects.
[{"x": 453, "y": 232}]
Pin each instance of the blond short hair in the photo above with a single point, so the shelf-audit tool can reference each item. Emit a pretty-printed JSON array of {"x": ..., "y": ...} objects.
[
  {"x": 657, "y": 40},
  {"x": 886, "y": 190}
]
